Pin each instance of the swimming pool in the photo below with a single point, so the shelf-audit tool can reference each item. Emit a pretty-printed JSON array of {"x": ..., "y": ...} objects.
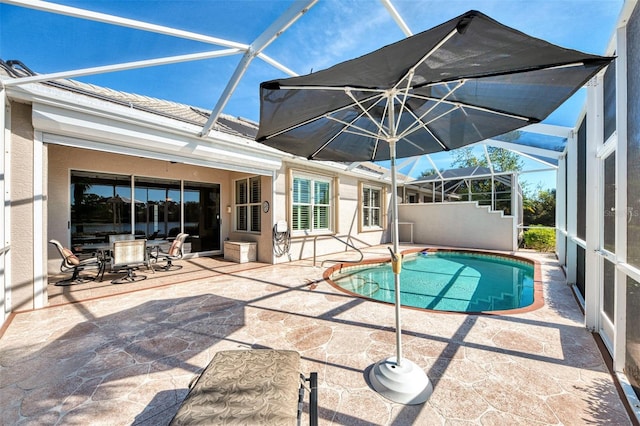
[{"x": 452, "y": 281}]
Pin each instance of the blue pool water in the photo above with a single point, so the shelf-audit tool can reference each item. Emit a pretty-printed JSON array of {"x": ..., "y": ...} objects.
[{"x": 446, "y": 281}]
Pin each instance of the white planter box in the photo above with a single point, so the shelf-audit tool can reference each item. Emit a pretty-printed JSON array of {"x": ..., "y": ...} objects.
[{"x": 240, "y": 251}]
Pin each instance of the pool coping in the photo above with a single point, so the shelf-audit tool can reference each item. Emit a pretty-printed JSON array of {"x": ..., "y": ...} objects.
[{"x": 538, "y": 292}]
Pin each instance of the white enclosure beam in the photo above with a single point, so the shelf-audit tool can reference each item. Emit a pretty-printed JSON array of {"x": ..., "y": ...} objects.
[
  {"x": 159, "y": 29},
  {"x": 621, "y": 203},
  {"x": 561, "y": 211},
  {"x": 525, "y": 149},
  {"x": 593, "y": 262},
  {"x": 122, "y": 22},
  {"x": 277, "y": 65},
  {"x": 531, "y": 157},
  {"x": 548, "y": 129},
  {"x": 571, "y": 160},
  {"x": 277, "y": 27},
  {"x": 119, "y": 67},
  {"x": 400, "y": 166},
  {"x": 433, "y": 164},
  {"x": 396, "y": 17}
]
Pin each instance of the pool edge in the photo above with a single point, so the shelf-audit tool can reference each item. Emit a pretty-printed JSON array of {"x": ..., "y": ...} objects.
[{"x": 538, "y": 291}]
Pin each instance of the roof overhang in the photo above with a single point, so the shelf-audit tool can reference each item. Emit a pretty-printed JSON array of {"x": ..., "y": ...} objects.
[{"x": 69, "y": 119}]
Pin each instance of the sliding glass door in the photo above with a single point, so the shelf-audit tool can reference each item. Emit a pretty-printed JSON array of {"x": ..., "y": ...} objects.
[
  {"x": 157, "y": 209},
  {"x": 202, "y": 215},
  {"x": 102, "y": 204}
]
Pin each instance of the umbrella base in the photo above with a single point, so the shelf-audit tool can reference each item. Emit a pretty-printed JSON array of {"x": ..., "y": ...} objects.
[{"x": 404, "y": 384}]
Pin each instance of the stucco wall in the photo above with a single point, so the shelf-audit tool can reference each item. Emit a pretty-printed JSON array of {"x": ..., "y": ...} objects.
[
  {"x": 345, "y": 193},
  {"x": 459, "y": 224},
  {"x": 264, "y": 237},
  {"x": 63, "y": 159},
  {"x": 21, "y": 157}
]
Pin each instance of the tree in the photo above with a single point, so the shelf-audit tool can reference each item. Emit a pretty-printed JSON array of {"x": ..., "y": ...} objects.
[
  {"x": 428, "y": 172},
  {"x": 541, "y": 208},
  {"x": 502, "y": 159}
]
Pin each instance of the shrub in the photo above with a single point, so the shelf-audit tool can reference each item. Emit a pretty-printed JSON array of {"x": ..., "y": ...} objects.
[{"x": 540, "y": 239}]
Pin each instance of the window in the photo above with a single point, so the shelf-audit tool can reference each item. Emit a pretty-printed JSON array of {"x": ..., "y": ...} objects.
[
  {"x": 103, "y": 204},
  {"x": 371, "y": 207},
  {"x": 157, "y": 207},
  {"x": 100, "y": 205},
  {"x": 311, "y": 204},
  {"x": 247, "y": 203}
]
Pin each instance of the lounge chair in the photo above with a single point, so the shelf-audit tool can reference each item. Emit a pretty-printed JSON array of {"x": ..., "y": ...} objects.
[
  {"x": 75, "y": 265},
  {"x": 175, "y": 252},
  {"x": 253, "y": 387}
]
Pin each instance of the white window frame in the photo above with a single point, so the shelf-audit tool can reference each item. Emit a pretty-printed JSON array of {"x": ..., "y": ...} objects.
[
  {"x": 313, "y": 179},
  {"x": 363, "y": 207},
  {"x": 252, "y": 205}
]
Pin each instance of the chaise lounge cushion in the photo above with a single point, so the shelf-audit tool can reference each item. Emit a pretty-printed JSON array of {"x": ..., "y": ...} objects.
[{"x": 249, "y": 387}]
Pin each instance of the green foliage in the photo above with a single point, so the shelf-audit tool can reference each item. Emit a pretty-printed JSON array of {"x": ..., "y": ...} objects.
[
  {"x": 427, "y": 172},
  {"x": 464, "y": 157},
  {"x": 540, "y": 209},
  {"x": 502, "y": 160},
  {"x": 540, "y": 239}
]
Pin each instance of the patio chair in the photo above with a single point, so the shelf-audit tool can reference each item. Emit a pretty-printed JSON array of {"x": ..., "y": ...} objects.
[
  {"x": 75, "y": 265},
  {"x": 129, "y": 255},
  {"x": 256, "y": 386},
  {"x": 175, "y": 252},
  {"x": 120, "y": 237},
  {"x": 105, "y": 255}
]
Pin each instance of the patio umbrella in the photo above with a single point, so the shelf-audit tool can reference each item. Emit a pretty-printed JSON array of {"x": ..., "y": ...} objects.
[{"x": 466, "y": 80}]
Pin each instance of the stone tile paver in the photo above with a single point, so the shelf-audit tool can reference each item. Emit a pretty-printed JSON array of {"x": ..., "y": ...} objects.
[{"x": 120, "y": 359}]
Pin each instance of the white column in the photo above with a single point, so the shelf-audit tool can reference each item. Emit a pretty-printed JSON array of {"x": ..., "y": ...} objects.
[
  {"x": 572, "y": 204},
  {"x": 593, "y": 204},
  {"x": 620, "y": 328},
  {"x": 39, "y": 235},
  {"x": 561, "y": 210}
]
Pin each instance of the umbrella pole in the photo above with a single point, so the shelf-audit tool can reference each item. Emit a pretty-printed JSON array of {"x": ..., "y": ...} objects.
[
  {"x": 396, "y": 243},
  {"x": 395, "y": 378}
]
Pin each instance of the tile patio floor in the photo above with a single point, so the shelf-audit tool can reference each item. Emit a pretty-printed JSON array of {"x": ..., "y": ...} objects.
[{"x": 124, "y": 354}]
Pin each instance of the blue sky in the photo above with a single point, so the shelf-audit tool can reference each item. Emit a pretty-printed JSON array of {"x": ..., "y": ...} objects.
[{"x": 331, "y": 32}]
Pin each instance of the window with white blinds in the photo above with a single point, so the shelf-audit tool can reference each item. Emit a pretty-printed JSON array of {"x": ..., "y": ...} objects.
[
  {"x": 247, "y": 204},
  {"x": 371, "y": 205},
  {"x": 311, "y": 204}
]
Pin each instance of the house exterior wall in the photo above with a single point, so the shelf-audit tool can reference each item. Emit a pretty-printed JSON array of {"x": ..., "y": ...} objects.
[
  {"x": 22, "y": 215},
  {"x": 263, "y": 239},
  {"x": 345, "y": 214},
  {"x": 459, "y": 224},
  {"x": 63, "y": 159}
]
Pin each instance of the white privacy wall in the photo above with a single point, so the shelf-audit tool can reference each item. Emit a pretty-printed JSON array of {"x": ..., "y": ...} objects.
[{"x": 459, "y": 224}]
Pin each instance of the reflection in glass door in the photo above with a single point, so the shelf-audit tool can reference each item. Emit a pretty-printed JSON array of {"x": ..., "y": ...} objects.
[
  {"x": 157, "y": 209},
  {"x": 100, "y": 205},
  {"x": 202, "y": 215}
]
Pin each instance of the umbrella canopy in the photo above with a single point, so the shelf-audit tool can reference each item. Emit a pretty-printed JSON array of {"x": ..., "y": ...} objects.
[{"x": 461, "y": 82}]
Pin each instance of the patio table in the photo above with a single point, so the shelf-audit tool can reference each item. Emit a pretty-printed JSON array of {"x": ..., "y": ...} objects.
[{"x": 103, "y": 252}]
